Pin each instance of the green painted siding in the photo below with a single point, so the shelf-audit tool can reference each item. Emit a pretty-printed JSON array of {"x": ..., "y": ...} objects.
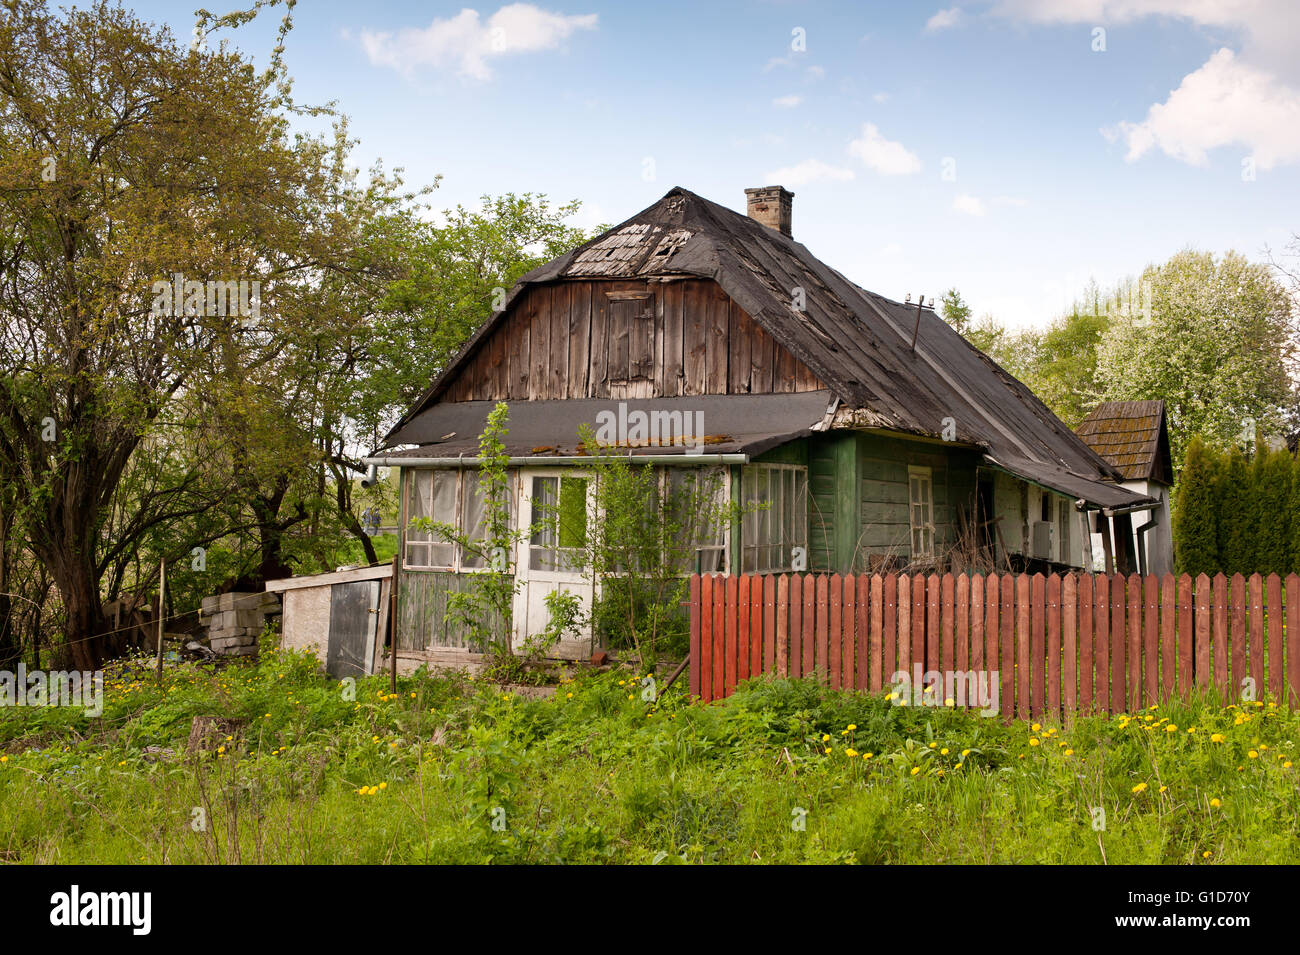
[{"x": 858, "y": 495}]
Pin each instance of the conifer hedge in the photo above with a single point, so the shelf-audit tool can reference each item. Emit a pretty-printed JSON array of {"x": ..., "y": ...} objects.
[{"x": 1235, "y": 516}]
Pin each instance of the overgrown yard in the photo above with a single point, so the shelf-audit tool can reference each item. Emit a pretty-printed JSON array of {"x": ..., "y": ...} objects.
[{"x": 447, "y": 770}]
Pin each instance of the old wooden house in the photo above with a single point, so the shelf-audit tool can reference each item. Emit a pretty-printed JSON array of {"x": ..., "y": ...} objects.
[{"x": 876, "y": 433}]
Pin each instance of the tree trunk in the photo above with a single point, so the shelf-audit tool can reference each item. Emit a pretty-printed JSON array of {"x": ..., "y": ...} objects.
[{"x": 89, "y": 643}]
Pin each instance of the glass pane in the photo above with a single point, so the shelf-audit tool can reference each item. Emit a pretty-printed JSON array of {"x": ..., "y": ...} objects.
[
  {"x": 573, "y": 512},
  {"x": 473, "y": 518}
]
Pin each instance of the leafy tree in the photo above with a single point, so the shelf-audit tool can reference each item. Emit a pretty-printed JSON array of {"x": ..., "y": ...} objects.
[
  {"x": 127, "y": 158},
  {"x": 1216, "y": 348},
  {"x": 1195, "y": 526},
  {"x": 954, "y": 310}
]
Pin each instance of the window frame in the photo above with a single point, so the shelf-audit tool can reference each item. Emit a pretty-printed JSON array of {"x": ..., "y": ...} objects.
[
  {"x": 758, "y": 553},
  {"x": 458, "y": 564},
  {"x": 926, "y": 474}
]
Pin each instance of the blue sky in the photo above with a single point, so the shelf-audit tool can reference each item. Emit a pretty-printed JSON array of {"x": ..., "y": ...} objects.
[{"x": 992, "y": 146}]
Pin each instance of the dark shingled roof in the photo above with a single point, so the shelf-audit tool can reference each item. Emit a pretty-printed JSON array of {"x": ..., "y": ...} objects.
[
  {"x": 1133, "y": 436},
  {"x": 855, "y": 341}
]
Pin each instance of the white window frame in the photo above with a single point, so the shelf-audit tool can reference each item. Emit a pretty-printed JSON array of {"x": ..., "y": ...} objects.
[
  {"x": 536, "y": 517},
  {"x": 757, "y": 548},
  {"x": 723, "y": 495},
  {"x": 457, "y": 565},
  {"x": 926, "y": 527}
]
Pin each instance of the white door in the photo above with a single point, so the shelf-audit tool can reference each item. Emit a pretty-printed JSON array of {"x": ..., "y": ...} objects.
[{"x": 559, "y": 502}]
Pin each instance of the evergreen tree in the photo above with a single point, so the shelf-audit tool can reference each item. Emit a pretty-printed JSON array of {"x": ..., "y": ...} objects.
[
  {"x": 1293, "y": 513},
  {"x": 1196, "y": 545},
  {"x": 1272, "y": 493},
  {"x": 1235, "y": 515}
]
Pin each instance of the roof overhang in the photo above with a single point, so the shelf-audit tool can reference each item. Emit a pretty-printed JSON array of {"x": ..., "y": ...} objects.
[
  {"x": 692, "y": 430},
  {"x": 1101, "y": 495}
]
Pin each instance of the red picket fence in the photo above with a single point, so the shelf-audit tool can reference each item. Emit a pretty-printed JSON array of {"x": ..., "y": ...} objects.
[{"x": 1061, "y": 644}]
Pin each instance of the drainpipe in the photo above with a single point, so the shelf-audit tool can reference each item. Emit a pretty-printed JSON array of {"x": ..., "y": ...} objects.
[
  {"x": 372, "y": 476},
  {"x": 1144, "y": 562}
]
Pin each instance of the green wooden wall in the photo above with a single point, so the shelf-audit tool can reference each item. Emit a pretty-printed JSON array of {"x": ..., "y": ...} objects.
[{"x": 858, "y": 494}]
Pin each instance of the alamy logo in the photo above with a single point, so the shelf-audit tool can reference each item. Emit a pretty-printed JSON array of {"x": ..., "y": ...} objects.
[
  {"x": 964, "y": 688},
  {"x": 56, "y": 688},
  {"x": 75, "y": 908},
  {"x": 650, "y": 429},
  {"x": 211, "y": 299}
]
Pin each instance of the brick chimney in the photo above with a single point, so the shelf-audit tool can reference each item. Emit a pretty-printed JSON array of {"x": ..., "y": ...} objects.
[{"x": 770, "y": 205}]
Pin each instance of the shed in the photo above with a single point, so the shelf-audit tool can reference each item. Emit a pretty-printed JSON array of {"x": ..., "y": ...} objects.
[{"x": 342, "y": 616}]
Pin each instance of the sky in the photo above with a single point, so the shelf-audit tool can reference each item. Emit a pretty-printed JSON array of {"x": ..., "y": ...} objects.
[{"x": 1012, "y": 149}]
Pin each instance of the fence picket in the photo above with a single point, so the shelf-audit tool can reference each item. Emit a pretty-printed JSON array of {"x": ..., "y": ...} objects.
[
  {"x": 829, "y": 642},
  {"x": 1274, "y": 637},
  {"x": 1255, "y": 585},
  {"x": 1086, "y": 666},
  {"x": 1052, "y": 688},
  {"x": 1220, "y": 627},
  {"x": 849, "y": 610}
]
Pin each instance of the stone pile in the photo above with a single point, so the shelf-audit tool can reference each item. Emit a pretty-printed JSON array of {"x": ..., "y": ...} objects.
[{"x": 233, "y": 621}]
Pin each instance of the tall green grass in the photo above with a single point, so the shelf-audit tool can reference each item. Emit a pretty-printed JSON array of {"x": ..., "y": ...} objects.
[{"x": 449, "y": 770}]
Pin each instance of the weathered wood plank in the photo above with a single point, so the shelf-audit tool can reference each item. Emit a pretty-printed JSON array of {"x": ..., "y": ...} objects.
[
  {"x": 1052, "y": 688},
  {"x": 782, "y": 626},
  {"x": 1275, "y": 617},
  {"x": 1087, "y": 672},
  {"x": 697, "y": 618},
  {"x": 1220, "y": 637},
  {"x": 1255, "y": 585}
]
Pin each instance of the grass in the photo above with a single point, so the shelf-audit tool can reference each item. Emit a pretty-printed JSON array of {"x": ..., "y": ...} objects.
[{"x": 449, "y": 770}]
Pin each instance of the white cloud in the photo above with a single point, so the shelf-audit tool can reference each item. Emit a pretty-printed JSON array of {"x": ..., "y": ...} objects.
[
  {"x": 880, "y": 97},
  {"x": 970, "y": 205},
  {"x": 1015, "y": 201},
  {"x": 943, "y": 19},
  {"x": 1270, "y": 29},
  {"x": 464, "y": 43},
  {"x": 1248, "y": 97},
  {"x": 788, "y": 102},
  {"x": 815, "y": 72},
  {"x": 882, "y": 155},
  {"x": 810, "y": 170},
  {"x": 1223, "y": 103}
]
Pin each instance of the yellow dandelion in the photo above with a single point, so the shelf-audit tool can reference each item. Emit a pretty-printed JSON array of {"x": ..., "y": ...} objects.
[{"x": 1139, "y": 788}]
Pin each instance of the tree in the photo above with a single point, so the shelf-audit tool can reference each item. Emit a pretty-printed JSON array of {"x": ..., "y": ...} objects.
[
  {"x": 1235, "y": 514},
  {"x": 1195, "y": 529},
  {"x": 128, "y": 159},
  {"x": 954, "y": 310},
  {"x": 1272, "y": 494},
  {"x": 1216, "y": 348}
]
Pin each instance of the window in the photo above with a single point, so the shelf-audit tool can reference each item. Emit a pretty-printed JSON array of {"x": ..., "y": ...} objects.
[
  {"x": 770, "y": 535},
  {"x": 560, "y": 523},
  {"x": 449, "y": 496},
  {"x": 704, "y": 530},
  {"x": 430, "y": 494},
  {"x": 921, "y": 511},
  {"x": 1063, "y": 532}
]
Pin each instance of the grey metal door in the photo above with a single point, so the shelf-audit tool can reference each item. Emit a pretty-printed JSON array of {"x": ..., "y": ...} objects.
[{"x": 354, "y": 622}]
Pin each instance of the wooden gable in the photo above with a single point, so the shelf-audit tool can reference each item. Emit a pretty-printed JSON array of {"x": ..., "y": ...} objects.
[{"x": 626, "y": 339}]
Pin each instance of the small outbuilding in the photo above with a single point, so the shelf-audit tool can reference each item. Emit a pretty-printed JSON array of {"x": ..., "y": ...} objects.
[
  {"x": 1133, "y": 437},
  {"x": 342, "y": 616}
]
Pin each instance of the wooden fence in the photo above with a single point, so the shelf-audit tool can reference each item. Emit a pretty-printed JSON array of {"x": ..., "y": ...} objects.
[{"x": 1060, "y": 644}]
